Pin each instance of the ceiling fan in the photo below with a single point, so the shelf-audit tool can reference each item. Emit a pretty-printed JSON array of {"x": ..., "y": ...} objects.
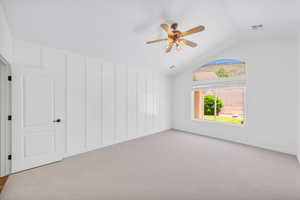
[{"x": 175, "y": 36}]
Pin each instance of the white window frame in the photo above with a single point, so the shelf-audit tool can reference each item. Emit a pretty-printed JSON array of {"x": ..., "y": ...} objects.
[{"x": 231, "y": 82}]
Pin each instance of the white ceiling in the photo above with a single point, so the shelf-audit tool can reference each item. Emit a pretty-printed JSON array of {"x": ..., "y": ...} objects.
[{"x": 117, "y": 30}]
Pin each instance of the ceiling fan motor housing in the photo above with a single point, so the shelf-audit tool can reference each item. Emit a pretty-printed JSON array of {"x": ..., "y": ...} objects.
[{"x": 174, "y": 26}]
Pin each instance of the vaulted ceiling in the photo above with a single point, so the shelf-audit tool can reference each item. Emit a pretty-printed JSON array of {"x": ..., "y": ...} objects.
[{"x": 117, "y": 30}]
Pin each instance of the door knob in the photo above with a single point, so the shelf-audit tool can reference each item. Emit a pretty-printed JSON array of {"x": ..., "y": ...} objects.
[{"x": 56, "y": 121}]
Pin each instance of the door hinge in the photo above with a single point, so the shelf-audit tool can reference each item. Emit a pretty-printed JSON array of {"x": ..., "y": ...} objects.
[
  {"x": 9, "y": 78},
  {"x": 9, "y": 157},
  {"x": 9, "y": 117}
]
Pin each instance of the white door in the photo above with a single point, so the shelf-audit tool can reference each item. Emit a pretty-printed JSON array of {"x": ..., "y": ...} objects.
[{"x": 38, "y": 114}]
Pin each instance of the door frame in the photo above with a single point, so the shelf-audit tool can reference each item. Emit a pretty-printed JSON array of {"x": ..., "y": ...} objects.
[{"x": 5, "y": 124}]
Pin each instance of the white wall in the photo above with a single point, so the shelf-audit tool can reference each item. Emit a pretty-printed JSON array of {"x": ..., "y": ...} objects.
[
  {"x": 5, "y": 58},
  {"x": 5, "y": 38},
  {"x": 298, "y": 153},
  {"x": 106, "y": 103},
  {"x": 271, "y": 96}
]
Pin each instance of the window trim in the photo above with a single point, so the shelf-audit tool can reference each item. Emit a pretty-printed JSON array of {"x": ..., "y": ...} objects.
[
  {"x": 221, "y": 81},
  {"x": 219, "y": 87}
]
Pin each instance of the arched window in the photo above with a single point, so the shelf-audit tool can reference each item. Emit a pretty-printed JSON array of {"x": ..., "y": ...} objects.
[
  {"x": 219, "y": 92},
  {"x": 224, "y": 68}
]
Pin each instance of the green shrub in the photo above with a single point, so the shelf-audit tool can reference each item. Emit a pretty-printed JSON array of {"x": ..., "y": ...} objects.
[
  {"x": 209, "y": 105},
  {"x": 222, "y": 73}
]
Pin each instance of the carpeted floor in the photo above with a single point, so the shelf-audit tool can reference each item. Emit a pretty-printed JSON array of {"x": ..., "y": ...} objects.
[{"x": 167, "y": 166}]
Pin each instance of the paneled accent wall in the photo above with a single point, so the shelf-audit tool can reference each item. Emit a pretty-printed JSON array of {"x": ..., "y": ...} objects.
[
  {"x": 76, "y": 104},
  {"x": 106, "y": 103},
  {"x": 94, "y": 105}
]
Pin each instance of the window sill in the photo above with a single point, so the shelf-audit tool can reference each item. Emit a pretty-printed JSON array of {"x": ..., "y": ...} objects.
[{"x": 217, "y": 122}]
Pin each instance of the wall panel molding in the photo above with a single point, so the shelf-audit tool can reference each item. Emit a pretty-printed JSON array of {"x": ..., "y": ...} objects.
[
  {"x": 76, "y": 104},
  {"x": 106, "y": 103}
]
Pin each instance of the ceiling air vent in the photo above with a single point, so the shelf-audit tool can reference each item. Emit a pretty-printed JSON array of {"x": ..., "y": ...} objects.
[
  {"x": 255, "y": 27},
  {"x": 172, "y": 67}
]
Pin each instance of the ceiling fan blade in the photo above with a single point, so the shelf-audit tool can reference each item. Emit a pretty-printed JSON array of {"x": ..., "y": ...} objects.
[
  {"x": 169, "y": 47},
  {"x": 187, "y": 42},
  {"x": 165, "y": 27},
  {"x": 150, "y": 42},
  {"x": 192, "y": 31}
]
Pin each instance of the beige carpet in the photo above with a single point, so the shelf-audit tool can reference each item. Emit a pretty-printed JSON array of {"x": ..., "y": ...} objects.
[{"x": 167, "y": 166}]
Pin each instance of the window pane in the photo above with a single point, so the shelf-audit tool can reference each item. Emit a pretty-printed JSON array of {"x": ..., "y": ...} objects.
[
  {"x": 220, "y": 69},
  {"x": 204, "y": 104},
  {"x": 231, "y": 105}
]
